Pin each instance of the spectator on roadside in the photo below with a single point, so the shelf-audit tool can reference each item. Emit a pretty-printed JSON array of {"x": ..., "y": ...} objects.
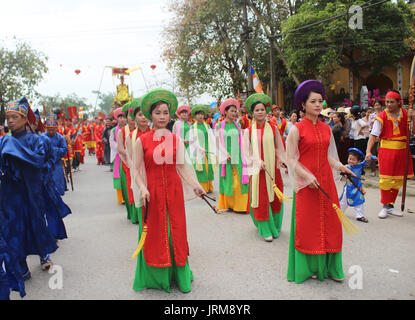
[
  {"x": 338, "y": 134},
  {"x": 360, "y": 127},
  {"x": 292, "y": 121}
]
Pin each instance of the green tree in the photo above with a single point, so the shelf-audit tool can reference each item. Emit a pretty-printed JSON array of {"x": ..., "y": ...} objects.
[
  {"x": 57, "y": 102},
  {"x": 21, "y": 70},
  {"x": 205, "y": 48},
  {"x": 105, "y": 101},
  {"x": 318, "y": 50}
]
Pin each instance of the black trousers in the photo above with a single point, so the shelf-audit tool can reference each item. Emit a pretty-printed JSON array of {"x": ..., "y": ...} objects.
[{"x": 76, "y": 160}]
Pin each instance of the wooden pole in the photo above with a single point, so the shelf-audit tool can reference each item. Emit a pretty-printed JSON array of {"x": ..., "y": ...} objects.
[{"x": 408, "y": 150}]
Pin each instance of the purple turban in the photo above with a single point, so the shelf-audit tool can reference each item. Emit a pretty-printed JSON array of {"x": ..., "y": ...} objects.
[{"x": 304, "y": 89}]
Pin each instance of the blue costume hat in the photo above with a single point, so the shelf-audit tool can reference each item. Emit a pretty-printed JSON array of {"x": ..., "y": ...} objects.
[
  {"x": 51, "y": 120},
  {"x": 19, "y": 106},
  {"x": 357, "y": 151}
]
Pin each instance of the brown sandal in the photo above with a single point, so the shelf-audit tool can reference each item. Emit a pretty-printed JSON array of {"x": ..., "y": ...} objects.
[{"x": 363, "y": 219}]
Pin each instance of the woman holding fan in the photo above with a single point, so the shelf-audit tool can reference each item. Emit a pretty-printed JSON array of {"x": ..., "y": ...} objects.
[
  {"x": 165, "y": 179},
  {"x": 315, "y": 248},
  {"x": 264, "y": 152}
]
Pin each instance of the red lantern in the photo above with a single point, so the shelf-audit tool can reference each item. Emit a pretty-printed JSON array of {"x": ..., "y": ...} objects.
[
  {"x": 77, "y": 71},
  {"x": 153, "y": 66}
]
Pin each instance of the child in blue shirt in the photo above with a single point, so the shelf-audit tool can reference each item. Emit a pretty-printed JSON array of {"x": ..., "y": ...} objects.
[{"x": 352, "y": 196}]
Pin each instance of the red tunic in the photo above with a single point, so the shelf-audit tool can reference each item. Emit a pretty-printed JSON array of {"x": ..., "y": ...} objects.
[
  {"x": 127, "y": 173},
  {"x": 100, "y": 144},
  {"x": 139, "y": 133},
  {"x": 86, "y": 134},
  {"x": 246, "y": 122},
  {"x": 317, "y": 227},
  {"x": 78, "y": 144},
  {"x": 281, "y": 128},
  {"x": 393, "y": 146},
  {"x": 166, "y": 194},
  {"x": 91, "y": 129},
  {"x": 69, "y": 131},
  {"x": 262, "y": 212}
]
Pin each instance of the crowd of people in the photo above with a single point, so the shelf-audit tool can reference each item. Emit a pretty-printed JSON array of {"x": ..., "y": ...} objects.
[
  {"x": 163, "y": 154},
  {"x": 165, "y": 162}
]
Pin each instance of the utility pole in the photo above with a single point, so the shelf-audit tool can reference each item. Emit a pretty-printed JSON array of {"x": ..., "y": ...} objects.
[
  {"x": 248, "y": 52},
  {"x": 271, "y": 71}
]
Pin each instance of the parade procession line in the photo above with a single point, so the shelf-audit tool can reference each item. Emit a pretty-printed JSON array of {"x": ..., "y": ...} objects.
[{"x": 228, "y": 258}]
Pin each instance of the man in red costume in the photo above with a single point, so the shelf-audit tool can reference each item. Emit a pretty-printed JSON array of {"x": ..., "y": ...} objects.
[
  {"x": 99, "y": 128},
  {"x": 278, "y": 121},
  {"x": 76, "y": 142},
  {"x": 66, "y": 132},
  {"x": 391, "y": 126},
  {"x": 244, "y": 120},
  {"x": 92, "y": 144}
]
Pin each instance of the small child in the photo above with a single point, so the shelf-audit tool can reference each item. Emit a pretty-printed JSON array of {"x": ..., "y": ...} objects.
[{"x": 352, "y": 196}]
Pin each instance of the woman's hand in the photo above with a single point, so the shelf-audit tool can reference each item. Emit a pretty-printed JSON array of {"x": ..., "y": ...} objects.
[
  {"x": 145, "y": 195},
  {"x": 314, "y": 183},
  {"x": 199, "y": 191},
  {"x": 343, "y": 169}
]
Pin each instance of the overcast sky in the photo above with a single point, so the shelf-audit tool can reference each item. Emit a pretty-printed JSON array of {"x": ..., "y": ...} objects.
[{"x": 89, "y": 35}]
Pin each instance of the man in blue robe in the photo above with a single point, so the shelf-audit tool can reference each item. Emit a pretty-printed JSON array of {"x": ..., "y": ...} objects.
[
  {"x": 59, "y": 150},
  {"x": 22, "y": 159},
  {"x": 54, "y": 207}
]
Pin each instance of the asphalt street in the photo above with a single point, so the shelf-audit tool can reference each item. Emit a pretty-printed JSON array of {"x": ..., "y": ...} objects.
[{"x": 228, "y": 258}]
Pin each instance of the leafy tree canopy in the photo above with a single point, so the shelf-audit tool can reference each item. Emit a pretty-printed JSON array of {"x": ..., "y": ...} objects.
[
  {"x": 316, "y": 51},
  {"x": 22, "y": 68}
]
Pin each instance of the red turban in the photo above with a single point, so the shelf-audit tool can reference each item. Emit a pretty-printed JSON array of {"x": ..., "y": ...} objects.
[{"x": 393, "y": 95}]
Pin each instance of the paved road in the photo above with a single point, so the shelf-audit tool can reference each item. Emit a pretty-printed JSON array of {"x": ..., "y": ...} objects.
[{"x": 228, "y": 258}]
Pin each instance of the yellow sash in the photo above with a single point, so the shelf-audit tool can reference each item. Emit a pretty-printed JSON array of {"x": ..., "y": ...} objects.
[
  {"x": 269, "y": 159},
  {"x": 392, "y": 144}
]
